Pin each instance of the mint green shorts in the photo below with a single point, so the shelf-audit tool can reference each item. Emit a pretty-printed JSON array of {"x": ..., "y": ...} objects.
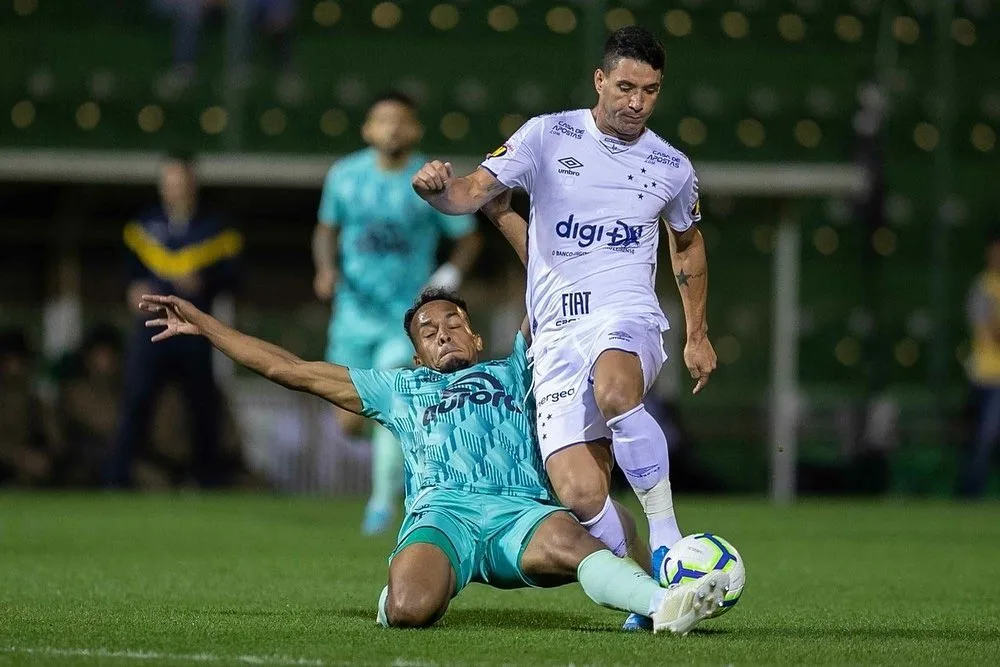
[{"x": 483, "y": 536}]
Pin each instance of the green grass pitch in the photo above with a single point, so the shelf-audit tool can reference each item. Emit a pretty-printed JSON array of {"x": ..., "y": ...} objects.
[{"x": 165, "y": 580}]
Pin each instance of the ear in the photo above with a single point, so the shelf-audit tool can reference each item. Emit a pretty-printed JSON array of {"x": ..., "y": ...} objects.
[
  {"x": 479, "y": 343},
  {"x": 417, "y": 361},
  {"x": 599, "y": 80},
  {"x": 366, "y": 131}
]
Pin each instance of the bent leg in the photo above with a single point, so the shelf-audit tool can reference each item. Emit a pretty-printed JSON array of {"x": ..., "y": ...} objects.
[
  {"x": 581, "y": 477},
  {"x": 639, "y": 443},
  {"x": 421, "y": 583},
  {"x": 561, "y": 551}
]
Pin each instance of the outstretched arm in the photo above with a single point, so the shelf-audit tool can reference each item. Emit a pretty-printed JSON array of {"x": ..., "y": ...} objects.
[
  {"x": 513, "y": 227},
  {"x": 687, "y": 255},
  {"x": 179, "y": 317},
  {"x": 436, "y": 183}
]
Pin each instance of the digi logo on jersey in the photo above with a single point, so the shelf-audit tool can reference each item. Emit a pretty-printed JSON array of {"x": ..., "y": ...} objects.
[
  {"x": 617, "y": 235},
  {"x": 475, "y": 388}
]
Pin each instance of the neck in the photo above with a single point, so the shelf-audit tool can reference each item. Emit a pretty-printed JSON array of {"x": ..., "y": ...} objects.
[
  {"x": 388, "y": 162},
  {"x": 602, "y": 124}
]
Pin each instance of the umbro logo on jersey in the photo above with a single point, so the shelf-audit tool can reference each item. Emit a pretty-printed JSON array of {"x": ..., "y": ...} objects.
[{"x": 571, "y": 164}]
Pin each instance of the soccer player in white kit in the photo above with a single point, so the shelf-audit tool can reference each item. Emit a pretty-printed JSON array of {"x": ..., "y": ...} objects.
[{"x": 599, "y": 182}]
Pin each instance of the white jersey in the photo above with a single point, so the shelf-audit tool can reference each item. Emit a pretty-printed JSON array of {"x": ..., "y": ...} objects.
[{"x": 593, "y": 229}]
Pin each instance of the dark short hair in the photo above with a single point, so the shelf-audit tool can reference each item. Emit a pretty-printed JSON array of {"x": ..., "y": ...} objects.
[
  {"x": 428, "y": 295},
  {"x": 636, "y": 43},
  {"x": 398, "y": 97}
]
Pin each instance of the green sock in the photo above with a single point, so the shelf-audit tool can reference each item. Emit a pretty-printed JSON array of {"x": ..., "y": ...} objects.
[
  {"x": 618, "y": 583},
  {"x": 387, "y": 469}
]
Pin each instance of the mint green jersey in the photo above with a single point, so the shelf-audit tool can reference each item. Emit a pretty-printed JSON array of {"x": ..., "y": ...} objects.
[
  {"x": 388, "y": 238},
  {"x": 469, "y": 430}
]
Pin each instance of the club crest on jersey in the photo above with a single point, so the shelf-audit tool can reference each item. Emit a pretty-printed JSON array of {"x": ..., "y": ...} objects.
[
  {"x": 502, "y": 150},
  {"x": 475, "y": 388},
  {"x": 614, "y": 145}
]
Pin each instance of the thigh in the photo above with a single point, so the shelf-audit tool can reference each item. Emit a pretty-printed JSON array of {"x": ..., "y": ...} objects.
[
  {"x": 556, "y": 549},
  {"x": 636, "y": 335},
  {"x": 566, "y": 411},
  {"x": 510, "y": 526},
  {"x": 446, "y": 522}
]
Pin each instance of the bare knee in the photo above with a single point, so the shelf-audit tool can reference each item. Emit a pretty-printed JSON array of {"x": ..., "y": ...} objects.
[
  {"x": 584, "y": 495},
  {"x": 618, "y": 383},
  {"x": 411, "y": 607}
]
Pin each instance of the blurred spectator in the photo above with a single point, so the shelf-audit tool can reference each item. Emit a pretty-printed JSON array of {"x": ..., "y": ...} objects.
[
  {"x": 176, "y": 248},
  {"x": 88, "y": 407},
  {"x": 984, "y": 374},
  {"x": 274, "y": 18},
  {"x": 28, "y": 433}
]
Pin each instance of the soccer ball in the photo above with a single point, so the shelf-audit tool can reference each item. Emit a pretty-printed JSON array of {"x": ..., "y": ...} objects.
[{"x": 696, "y": 555}]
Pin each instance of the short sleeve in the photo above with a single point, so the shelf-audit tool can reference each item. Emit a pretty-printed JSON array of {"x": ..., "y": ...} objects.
[
  {"x": 455, "y": 226},
  {"x": 377, "y": 390},
  {"x": 330, "y": 208},
  {"x": 684, "y": 210},
  {"x": 515, "y": 163}
]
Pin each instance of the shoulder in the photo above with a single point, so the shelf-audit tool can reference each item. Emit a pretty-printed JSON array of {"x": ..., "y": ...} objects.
[
  {"x": 662, "y": 152},
  {"x": 572, "y": 118},
  {"x": 350, "y": 163}
]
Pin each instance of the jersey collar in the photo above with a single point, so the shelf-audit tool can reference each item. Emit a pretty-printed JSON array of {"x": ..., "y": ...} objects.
[{"x": 613, "y": 145}]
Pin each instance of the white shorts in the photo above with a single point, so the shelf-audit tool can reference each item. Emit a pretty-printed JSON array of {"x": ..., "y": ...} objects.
[{"x": 563, "y": 369}]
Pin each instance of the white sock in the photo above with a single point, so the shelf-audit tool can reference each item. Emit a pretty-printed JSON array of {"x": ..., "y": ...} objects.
[
  {"x": 607, "y": 527},
  {"x": 641, "y": 451}
]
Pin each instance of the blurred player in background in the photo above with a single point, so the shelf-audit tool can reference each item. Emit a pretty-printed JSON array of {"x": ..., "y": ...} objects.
[
  {"x": 174, "y": 248},
  {"x": 374, "y": 248},
  {"x": 479, "y": 508},
  {"x": 600, "y": 181},
  {"x": 984, "y": 374}
]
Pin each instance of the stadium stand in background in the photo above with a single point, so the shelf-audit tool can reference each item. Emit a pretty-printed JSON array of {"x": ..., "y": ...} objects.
[{"x": 880, "y": 329}]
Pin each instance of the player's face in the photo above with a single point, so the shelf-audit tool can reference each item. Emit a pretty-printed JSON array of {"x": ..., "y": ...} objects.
[
  {"x": 177, "y": 184},
  {"x": 627, "y": 94},
  {"x": 391, "y": 128},
  {"x": 443, "y": 338}
]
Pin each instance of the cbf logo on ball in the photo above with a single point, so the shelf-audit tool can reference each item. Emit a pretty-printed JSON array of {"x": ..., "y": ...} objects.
[
  {"x": 475, "y": 388},
  {"x": 618, "y": 235}
]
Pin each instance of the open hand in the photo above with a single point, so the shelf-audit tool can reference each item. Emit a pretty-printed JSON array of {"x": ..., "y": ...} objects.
[
  {"x": 432, "y": 178},
  {"x": 179, "y": 317},
  {"x": 700, "y": 359}
]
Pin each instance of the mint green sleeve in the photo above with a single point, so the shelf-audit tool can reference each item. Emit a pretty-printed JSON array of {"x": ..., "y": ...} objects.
[
  {"x": 378, "y": 391},
  {"x": 330, "y": 207}
]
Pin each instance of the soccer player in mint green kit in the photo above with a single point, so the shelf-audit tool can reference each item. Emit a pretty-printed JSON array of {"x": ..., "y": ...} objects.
[
  {"x": 374, "y": 249},
  {"x": 478, "y": 504}
]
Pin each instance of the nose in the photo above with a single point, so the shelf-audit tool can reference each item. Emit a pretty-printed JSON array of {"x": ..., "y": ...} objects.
[
  {"x": 444, "y": 337},
  {"x": 637, "y": 102}
]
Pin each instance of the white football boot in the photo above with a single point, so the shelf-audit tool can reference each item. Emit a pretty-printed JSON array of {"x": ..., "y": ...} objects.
[{"x": 685, "y": 605}]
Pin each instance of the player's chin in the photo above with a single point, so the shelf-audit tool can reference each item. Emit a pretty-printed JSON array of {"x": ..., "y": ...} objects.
[{"x": 453, "y": 362}]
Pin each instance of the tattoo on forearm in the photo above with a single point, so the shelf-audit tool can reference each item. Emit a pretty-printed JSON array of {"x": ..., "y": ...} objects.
[{"x": 684, "y": 278}]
